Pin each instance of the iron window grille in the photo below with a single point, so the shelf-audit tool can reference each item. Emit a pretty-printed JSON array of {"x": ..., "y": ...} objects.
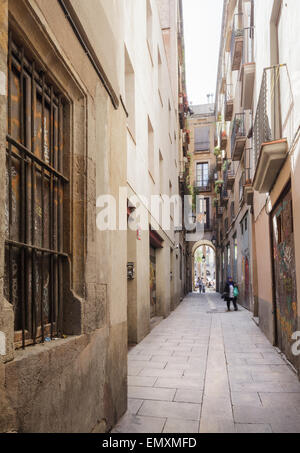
[{"x": 35, "y": 182}]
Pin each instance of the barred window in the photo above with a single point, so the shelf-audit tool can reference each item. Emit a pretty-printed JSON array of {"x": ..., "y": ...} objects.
[{"x": 35, "y": 182}]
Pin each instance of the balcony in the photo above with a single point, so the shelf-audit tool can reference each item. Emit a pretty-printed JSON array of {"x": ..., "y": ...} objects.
[
  {"x": 230, "y": 179},
  {"x": 229, "y": 103},
  {"x": 228, "y": 176},
  {"x": 224, "y": 198},
  {"x": 238, "y": 137},
  {"x": 248, "y": 70},
  {"x": 203, "y": 187},
  {"x": 246, "y": 188},
  {"x": 271, "y": 147},
  {"x": 223, "y": 139},
  {"x": 220, "y": 212},
  {"x": 237, "y": 42}
]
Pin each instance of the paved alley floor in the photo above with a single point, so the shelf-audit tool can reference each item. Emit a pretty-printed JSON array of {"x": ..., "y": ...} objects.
[{"x": 205, "y": 370}]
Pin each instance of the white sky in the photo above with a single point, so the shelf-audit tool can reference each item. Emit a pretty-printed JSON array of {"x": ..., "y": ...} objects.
[{"x": 202, "y": 25}]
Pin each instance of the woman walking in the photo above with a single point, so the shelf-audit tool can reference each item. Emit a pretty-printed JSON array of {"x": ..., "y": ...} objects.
[{"x": 231, "y": 294}]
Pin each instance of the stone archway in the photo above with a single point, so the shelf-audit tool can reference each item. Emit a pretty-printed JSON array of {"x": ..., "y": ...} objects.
[{"x": 196, "y": 247}]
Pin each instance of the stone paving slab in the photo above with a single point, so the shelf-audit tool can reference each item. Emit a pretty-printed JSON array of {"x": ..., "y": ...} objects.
[
  {"x": 150, "y": 393},
  {"x": 140, "y": 425},
  {"x": 209, "y": 371},
  {"x": 181, "y": 426},
  {"x": 181, "y": 411},
  {"x": 253, "y": 429}
]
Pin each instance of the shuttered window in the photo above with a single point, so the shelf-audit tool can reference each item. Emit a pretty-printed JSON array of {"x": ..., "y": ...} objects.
[{"x": 202, "y": 139}]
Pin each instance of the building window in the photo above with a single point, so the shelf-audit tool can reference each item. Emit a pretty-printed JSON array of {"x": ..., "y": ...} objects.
[
  {"x": 35, "y": 180},
  {"x": 205, "y": 212},
  {"x": 202, "y": 139},
  {"x": 150, "y": 29},
  {"x": 235, "y": 244},
  {"x": 160, "y": 76},
  {"x": 150, "y": 149},
  {"x": 228, "y": 261},
  {"x": 232, "y": 211},
  {"x": 202, "y": 175},
  {"x": 161, "y": 173},
  {"x": 130, "y": 94}
]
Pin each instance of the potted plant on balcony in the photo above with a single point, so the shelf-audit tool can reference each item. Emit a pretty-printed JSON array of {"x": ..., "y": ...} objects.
[
  {"x": 215, "y": 202},
  {"x": 218, "y": 186},
  {"x": 225, "y": 166},
  {"x": 217, "y": 151}
]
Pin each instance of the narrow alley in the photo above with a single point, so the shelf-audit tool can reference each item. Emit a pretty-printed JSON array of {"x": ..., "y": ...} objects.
[
  {"x": 149, "y": 176},
  {"x": 209, "y": 371}
]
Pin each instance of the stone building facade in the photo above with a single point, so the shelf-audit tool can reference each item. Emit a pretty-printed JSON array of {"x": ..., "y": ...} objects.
[
  {"x": 74, "y": 127},
  {"x": 258, "y": 108},
  {"x": 202, "y": 178}
]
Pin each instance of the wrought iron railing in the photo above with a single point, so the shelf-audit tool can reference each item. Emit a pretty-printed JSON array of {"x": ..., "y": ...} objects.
[
  {"x": 205, "y": 186},
  {"x": 238, "y": 129},
  {"x": 229, "y": 93},
  {"x": 273, "y": 119},
  {"x": 237, "y": 32}
]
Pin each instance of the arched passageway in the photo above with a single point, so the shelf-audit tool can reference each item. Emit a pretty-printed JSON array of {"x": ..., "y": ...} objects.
[{"x": 204, "y": 264}]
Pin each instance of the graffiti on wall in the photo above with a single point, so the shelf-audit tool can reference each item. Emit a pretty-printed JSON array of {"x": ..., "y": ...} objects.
[{"x": 285, "y": 274}]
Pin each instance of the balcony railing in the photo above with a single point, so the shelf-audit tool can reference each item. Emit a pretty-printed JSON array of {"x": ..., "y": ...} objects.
[
  {"x": 229, "y": 102},
  {"x": 223, "y": 139},
  {"x": 224, "y": 197},
  {"x": 229, "y": 177},
  {"x": 237, "y": 41},
  {"x": 274, "y": 127},
  {"x": 203, "y": 186},
  {"x": 274, "y": 108},
  {"x": 238, "y": 137}
]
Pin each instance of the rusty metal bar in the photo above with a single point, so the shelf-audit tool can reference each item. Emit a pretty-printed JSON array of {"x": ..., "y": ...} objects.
[
  {"x": 51, "y": 212},
  {"x": 32, "y": 255},
  {"x": 33, "y": 185},
  {"x": 36, "y": 248},
  {"x": 59, "y": 224},
  {"x": 23, "y": 208},
  {"x": 40, "y": 162},
  {"x": 43, "y": 205},
  {"x": 10, "y": 275}
]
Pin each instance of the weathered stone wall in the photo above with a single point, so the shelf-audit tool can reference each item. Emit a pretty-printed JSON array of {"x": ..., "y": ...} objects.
[{"x": 77, "y": 384}]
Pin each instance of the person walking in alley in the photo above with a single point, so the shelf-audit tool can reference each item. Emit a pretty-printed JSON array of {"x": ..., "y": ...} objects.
[
  {"x": 231, "y": 294},
  {"x": 200, "y": 285}
]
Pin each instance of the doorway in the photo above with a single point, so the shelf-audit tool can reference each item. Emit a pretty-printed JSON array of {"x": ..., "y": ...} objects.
[
  {"x": 284, "y": 274},
  {"x": 152, "y": 282}
]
